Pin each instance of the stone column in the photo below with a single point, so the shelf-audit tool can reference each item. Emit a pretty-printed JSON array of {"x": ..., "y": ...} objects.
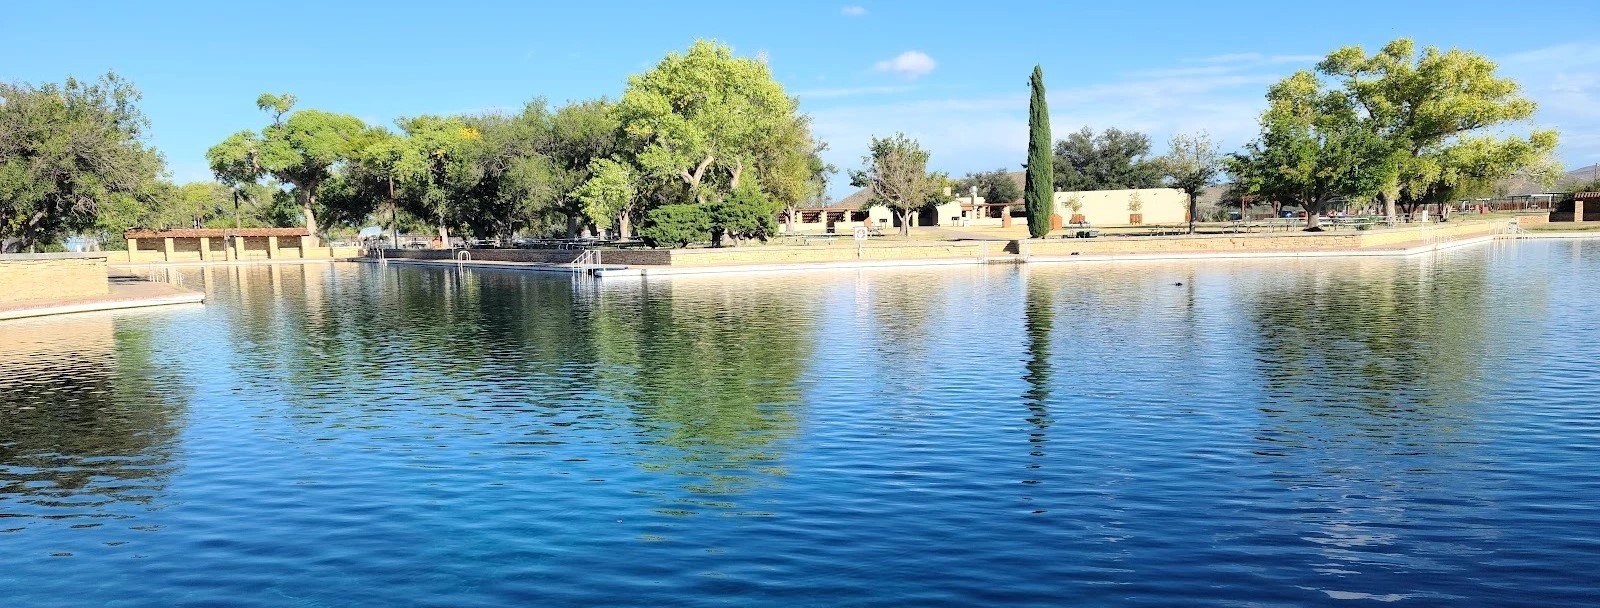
[
  {"x": 306, "y": 244},
  {"x": 168, "y": 254},
  {"x": 205, "y": 248},
  {"x": 272, "y": 247},
  {"x": 1577, "y": 210},
  {"x": 133, "y": 245}
]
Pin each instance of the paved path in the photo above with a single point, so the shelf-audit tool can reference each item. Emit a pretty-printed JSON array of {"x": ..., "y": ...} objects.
[{"x": 124, "y": 292}]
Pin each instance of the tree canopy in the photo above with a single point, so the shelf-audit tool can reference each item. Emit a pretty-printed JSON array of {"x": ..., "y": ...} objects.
[
  {"x": 1113, "y": 160},
  {"x": 1191, "y": 166},
  {"x": 1395, "y": 126},
  {"x": 994, "y": 186},
  {"x": 301, "y": 150},
  {"x": 895, "y": 174},
  {"x": 67, "y": 152}
]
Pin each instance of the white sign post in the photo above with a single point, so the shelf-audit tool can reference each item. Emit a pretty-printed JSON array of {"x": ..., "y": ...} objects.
[{"x": 861, "y": 237}]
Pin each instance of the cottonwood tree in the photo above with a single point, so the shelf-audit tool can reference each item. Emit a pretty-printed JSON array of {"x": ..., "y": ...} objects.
[
  {"x": 609, "y": 195},
  {"x": 1191, "y": 166},
  {"x": 1313, "y": 148},
  {"x": 67, "y": 151},
  {"x": 704, "y": 113},
  {"x": 577, "y": 134},
  {"x": 1435, "y": 111},
  {"x": 895, "y": 174},
  {"x": 301, "y": 149}
]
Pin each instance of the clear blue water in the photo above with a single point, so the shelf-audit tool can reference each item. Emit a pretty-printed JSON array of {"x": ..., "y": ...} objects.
[{"x": 1418, "y": 431}]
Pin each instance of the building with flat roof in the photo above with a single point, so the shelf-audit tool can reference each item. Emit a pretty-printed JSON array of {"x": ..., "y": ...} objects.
[{"x": 227, "y": 245}]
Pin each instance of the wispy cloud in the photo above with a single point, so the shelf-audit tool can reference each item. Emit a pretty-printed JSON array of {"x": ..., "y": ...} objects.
[
  {"x": 851, "y": 92},
  {"x": 1222, "y": 94},
  {"x": 854, "y": 11},
  {"x": 1564, "y": 80},
  {"x": 909, "y": 65}
]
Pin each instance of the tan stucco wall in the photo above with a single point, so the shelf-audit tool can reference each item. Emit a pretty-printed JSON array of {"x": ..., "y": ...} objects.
[
  {"x": 51, "y": 276},
  {"x": 1110, "y": 207},
  {"x": 1295, "y": 241}
]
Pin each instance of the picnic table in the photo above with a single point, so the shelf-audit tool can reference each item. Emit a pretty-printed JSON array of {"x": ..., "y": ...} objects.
[{"x": 1357, "y": 222}]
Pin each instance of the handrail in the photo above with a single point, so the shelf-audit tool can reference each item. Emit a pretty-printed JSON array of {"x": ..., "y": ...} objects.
[{"x": 462, "y": 255}]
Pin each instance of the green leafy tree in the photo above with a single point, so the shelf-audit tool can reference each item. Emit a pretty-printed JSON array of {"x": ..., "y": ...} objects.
[
  {"x": 1191, "y": 166},
  {"x": 676, "y": 225},
  {"x": 896, "y": 176},
  {"x": 302, "y": 150},
  {"x": 995, "y": 186},
  {"x": 436, "y": 169},
  {"x": 1113, "y": 160},
  {"x": 576, "y": 135},
  {"x": 1039, "y": 182},
  {"x": 704, "y": 117},
  {"x": 609, "y": 195},
  {"x": 1313, "y": 148},
  {"x": 66, "y": 152},
  {"x": 790, "y": 169},
  {"x": 1436, "y": 112}
]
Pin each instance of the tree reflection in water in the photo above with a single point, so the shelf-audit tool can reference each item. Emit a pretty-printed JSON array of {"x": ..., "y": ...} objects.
[
  {"x": 710, "y": 370},
  {"x": 88, "y": 419},
  {"x": 1038, "y": 318}
]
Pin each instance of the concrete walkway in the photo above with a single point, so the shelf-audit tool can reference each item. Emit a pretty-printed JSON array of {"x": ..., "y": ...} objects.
[{"x": 125, "y": 292}]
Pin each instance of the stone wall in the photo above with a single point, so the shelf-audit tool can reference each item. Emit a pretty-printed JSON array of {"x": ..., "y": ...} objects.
[
  {"x": 780, "y": 254},
  {"x": 51, "y": 276},
  {"x": 1240, "y": 243}
]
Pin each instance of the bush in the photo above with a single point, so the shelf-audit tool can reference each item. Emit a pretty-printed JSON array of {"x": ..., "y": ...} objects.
[
  {"x": 675, "y": 226},
  {"x": 745, "y": 214}
]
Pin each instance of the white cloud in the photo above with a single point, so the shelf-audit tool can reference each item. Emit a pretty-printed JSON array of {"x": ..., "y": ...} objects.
[
  {"x": 853, "y": 11},
  {"x": 910, "y": 65}
]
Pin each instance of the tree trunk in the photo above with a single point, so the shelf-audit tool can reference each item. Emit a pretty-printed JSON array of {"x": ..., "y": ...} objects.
[
  {"x": 905, "y": 222},
  {"x": 572, "y": 225},
  {"x": 1311, "y": 219},
  {"x": 1388, "y": 209},
  {"x": 624, "y": 226},
  {"x": 306, "y": 203},
  {"x": 789, "y": 220},
  {"x": 1193, "y": 208},
  {"x": 444, "y": 235}
]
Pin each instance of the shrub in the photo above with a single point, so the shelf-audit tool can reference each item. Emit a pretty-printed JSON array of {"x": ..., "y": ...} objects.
[
  {"x": 675, "y": 225},
  {"x": 744, "y": 214}
]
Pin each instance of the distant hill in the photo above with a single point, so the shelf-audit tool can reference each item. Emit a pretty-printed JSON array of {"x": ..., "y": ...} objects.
[{"x": 1579, "y": 176}]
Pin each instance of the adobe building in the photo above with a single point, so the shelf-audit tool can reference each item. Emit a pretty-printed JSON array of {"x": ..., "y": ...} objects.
[
  {"x": 1584, "y": 207},
  {"x": 228, "y": 245}
]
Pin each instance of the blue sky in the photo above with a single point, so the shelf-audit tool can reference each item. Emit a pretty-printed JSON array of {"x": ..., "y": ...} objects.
[{"x": 952, "y": 74}]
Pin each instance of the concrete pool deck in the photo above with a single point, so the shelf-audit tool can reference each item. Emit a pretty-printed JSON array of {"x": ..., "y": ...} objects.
[
  {"x": 123, "y": 292},
  {"x": 1397, "y": 243}
]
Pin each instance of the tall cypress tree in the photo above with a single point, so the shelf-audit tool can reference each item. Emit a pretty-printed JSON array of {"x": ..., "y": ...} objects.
[{"x": 1038, "y": 187}]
